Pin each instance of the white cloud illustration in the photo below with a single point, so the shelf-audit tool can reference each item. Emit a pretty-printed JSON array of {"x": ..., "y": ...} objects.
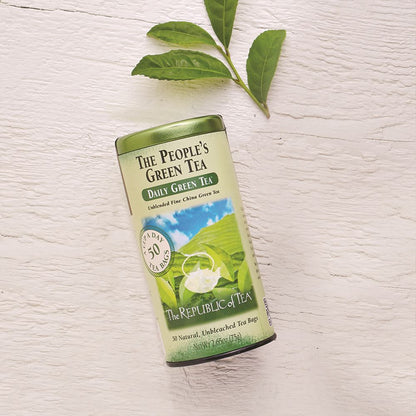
[
  {"x": 208, "y": 206},
  {"x": 170, "y": 218},
  {"x": 179, "y": 238},
  {"x": 162, "y": 220}
]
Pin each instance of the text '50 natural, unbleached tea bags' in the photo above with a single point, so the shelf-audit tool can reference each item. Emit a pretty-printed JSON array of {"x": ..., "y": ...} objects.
[{"x": 199, "y": 261}]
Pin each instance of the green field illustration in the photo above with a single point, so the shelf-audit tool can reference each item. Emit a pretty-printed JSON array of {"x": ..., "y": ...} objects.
[{"x": 209, "y": 276}]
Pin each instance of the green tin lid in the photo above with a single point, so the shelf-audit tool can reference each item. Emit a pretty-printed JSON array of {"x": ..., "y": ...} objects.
[{"x": 168, "y": 132}]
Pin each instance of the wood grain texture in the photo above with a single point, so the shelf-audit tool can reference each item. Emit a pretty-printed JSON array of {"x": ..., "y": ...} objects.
[{"x": 328, "y": 185}]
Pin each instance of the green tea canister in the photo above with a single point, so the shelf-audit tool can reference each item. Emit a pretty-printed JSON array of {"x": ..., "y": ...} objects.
[{"x": 189, "y": 222}]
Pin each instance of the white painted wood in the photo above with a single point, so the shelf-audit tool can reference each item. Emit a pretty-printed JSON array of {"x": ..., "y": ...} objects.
[{"x": 328, "y": 184}]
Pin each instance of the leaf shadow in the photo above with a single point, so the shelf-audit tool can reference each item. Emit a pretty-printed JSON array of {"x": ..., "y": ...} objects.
[{"x": 174, "y": 99}]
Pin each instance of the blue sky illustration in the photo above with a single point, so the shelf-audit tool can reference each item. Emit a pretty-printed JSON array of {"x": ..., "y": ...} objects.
[{"x": 183, "y": 225}]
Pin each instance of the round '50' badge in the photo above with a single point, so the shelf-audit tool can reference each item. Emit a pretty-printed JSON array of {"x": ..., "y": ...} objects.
[{"x": 157, "y": 250}]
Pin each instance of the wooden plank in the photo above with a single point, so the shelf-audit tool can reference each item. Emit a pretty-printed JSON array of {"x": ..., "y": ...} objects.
[{"x": 328, "y": 184}]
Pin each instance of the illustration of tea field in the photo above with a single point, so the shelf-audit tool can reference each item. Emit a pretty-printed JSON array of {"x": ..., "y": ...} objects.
[{"x": 210, "y": 267}]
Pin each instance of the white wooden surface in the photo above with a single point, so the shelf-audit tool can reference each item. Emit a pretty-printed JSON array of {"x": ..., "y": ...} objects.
[{"x": 328, "y": 184}]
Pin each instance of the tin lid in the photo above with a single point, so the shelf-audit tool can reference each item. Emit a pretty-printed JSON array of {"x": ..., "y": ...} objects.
[{"x": 168, "y": 132}]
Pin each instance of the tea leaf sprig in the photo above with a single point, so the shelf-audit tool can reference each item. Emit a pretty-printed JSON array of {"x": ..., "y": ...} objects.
[{"x": 182, "y": 65}]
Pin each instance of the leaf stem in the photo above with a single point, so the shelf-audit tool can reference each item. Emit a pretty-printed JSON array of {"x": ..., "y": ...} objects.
[{"x": 241, "y": 83}]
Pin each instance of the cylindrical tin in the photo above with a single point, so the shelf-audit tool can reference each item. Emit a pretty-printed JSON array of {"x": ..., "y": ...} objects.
[{"x": 188, "y": 218}]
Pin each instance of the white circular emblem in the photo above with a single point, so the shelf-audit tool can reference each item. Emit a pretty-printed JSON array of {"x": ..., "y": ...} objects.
[{"x": 156, "y": 250}]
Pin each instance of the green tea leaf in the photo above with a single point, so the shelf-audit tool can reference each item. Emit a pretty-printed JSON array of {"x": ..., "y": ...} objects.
[
  {"x": 244, "y": 278},
  {"x": 185, "y": 295},
  {"x": 170, "y": 277},
  {"x": 223, "y": 292},
  {"x": 222, "y": 260},
  {"x": 262, "y": 62},
  {"x": 167, "y": 295},
  {"x": 181, "y": 65},
  {"x": 221, "y": 14},
  {"x": 237, "y": 258},
  {"x": 181, "y": 33},
  {"x": 223, "y": 282}
]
